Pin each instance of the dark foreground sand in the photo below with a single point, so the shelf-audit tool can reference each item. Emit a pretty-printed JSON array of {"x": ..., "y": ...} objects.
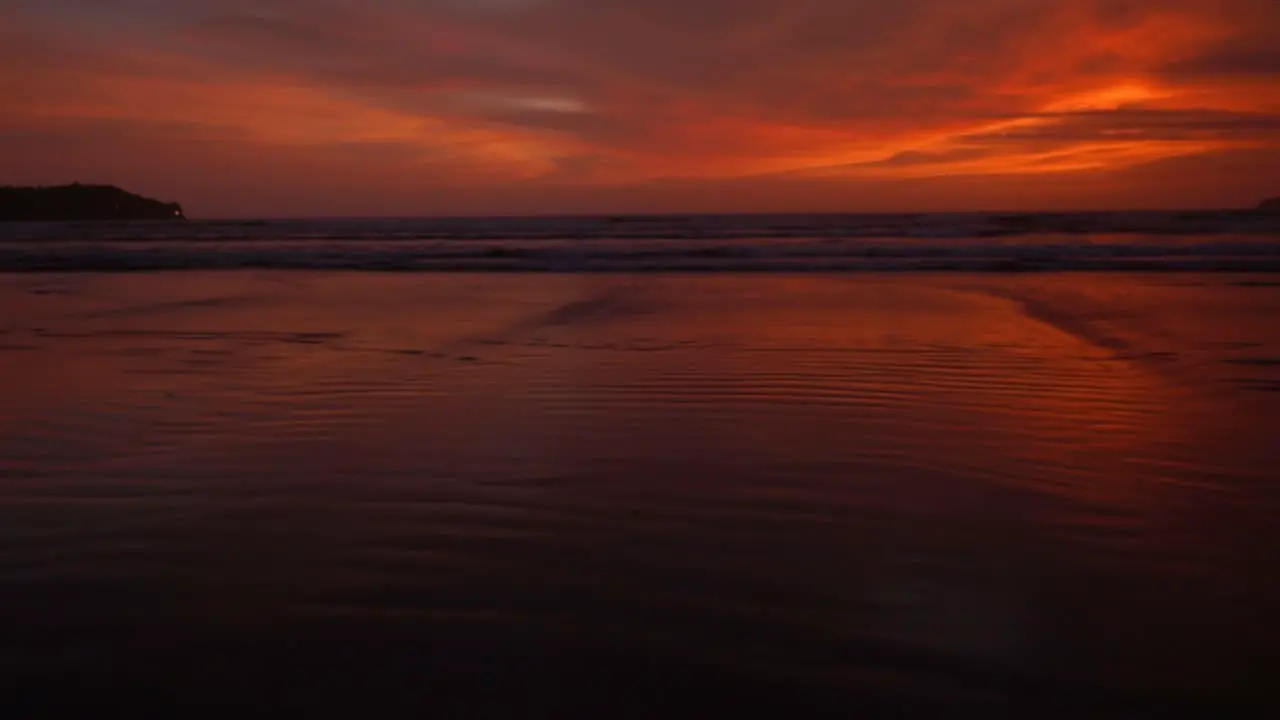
[{"x": 527, "y": 495}]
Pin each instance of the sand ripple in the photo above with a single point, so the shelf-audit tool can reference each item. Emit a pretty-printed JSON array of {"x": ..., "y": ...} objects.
[{"x": 909, "y": 490}]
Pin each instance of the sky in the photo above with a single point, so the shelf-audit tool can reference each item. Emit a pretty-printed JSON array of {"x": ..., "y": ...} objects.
[{"x": 241, "y": 108}]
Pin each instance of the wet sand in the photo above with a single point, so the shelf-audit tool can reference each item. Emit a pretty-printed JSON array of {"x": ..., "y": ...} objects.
[{"x": 499, "y": 494}]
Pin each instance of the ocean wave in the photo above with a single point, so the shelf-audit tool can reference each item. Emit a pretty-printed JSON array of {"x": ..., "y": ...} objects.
[
  {"x": 669, "y": 227},
  {"x": 1207, "y": 240},
  {"x": 1041, "y": 253}
]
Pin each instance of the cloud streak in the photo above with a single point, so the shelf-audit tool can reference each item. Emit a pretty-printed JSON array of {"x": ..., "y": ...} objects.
[{"x": 569, "y": 101}]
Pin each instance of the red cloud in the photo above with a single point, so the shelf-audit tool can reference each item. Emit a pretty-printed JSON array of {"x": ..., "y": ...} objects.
[{"x": 552, "y": 99}]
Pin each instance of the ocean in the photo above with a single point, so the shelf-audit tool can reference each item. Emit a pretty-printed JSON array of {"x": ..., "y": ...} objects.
[{"x": 1203, "y": 240}]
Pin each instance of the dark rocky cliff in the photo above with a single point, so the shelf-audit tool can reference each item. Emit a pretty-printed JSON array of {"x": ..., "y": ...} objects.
[{"x": 81, "y": 202}]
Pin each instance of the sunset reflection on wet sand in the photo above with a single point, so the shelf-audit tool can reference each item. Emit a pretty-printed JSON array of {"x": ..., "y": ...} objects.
[{"x": 539, "y": 492}]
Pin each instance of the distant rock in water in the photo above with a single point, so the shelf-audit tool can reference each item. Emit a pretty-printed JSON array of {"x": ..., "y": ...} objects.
[
  {"x": 1270, "y": 206},
  {"x": 81, "y": 202}
]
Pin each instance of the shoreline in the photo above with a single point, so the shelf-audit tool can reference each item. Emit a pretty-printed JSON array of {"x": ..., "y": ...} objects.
[{"x": 1134, "y": 269}]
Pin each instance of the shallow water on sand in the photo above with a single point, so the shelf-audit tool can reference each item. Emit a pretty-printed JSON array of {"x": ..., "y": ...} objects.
[{"x": 632, "y": 494}]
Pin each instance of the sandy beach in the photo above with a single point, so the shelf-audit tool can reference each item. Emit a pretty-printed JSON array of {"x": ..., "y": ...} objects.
[{"x": 1010, "y": 492}]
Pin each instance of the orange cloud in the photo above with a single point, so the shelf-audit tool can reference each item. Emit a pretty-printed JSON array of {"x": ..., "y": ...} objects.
[{"x": 554, "y": 98}]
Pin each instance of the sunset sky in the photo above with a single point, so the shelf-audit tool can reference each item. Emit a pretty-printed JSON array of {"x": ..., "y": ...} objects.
[{"x": 373, "y": 107}]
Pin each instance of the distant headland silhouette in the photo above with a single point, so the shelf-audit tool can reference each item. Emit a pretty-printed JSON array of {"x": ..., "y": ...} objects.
[
  {"x": 1271, "y": 205},
  {"x": 81, "y": 202}
]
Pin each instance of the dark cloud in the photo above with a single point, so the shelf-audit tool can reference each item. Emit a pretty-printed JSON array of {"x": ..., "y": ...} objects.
[
  {"x": 1137, "y": 125},
  {"x": 915, "y": 158},
  {"x": 1229, "y": 63}
]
